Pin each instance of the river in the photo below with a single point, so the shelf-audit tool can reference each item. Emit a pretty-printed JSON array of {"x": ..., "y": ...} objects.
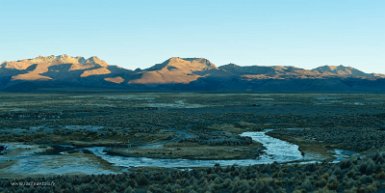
[
  {"x": 30, "y": 162},
  {"x": 276, "y": 151}
]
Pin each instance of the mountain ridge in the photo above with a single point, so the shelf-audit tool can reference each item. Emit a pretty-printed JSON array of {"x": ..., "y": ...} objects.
[{"x": 179, "y": 74}]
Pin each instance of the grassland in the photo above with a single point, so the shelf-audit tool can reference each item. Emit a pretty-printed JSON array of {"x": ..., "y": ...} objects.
[
  {"x": 355, "y": 122},
  {"x": 207, "y": 126},
  {"x": 357, "y": 175}
]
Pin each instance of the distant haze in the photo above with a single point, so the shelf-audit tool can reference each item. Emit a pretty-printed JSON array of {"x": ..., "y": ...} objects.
[{"x": 134, "y": 34}]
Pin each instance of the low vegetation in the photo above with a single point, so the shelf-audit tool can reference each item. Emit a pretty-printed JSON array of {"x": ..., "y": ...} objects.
[
  {"x": 364, "y": 175},
  {"x": 204, "y": 126}
]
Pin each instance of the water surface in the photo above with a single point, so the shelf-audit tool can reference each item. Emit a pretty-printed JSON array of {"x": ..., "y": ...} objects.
[{"x": 276, "y": 151}]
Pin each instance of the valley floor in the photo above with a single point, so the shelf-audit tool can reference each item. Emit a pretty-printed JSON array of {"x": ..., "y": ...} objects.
[{"x": 196, "y": 126}]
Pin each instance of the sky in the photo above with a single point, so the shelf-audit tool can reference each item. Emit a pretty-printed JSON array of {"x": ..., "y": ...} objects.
[{"x": 141, "y": 33}]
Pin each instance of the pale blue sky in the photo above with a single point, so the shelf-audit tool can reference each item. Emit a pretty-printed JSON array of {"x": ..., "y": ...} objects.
[{"x": 140, "y": 33}]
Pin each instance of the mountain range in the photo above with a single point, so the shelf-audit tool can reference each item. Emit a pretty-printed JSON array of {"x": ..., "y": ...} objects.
[{"x": 65, "y": 73}]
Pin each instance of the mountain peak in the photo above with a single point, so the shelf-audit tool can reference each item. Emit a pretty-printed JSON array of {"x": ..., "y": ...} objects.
[
  {"x": 175, "y": 59},
  {"x": 98, "y": 61},
  {"x": 196, "y": 61},
  {"x": 229, "y": 66},
  {"x": 37, "y": 68},
  {"x": 340, "y": 70},
  {"x": 184, "y": 64},
  {"x": 176, "y": 70},
  {"x": 331, "y": 67},
  {"x": 61, "y": 56}
]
